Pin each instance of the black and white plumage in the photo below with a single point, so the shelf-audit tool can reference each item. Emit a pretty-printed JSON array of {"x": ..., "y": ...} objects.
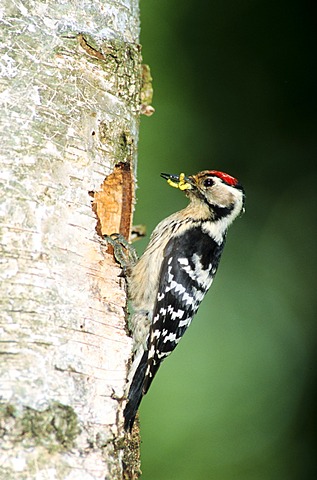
[{"x": 170, "y": 280}]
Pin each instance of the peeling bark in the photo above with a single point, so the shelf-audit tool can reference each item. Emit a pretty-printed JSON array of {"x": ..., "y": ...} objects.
[{"x": 70, "y": 79}]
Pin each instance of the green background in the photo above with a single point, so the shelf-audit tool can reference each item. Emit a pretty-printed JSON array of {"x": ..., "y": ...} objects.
[{"x": 234, "y": 90}]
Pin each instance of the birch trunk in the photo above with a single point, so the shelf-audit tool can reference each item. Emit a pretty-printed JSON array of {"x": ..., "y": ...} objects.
[{"x": 70, "y": 77}]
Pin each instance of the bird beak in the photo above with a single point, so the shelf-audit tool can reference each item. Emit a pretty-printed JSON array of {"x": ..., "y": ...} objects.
[{"x": 178, "y": 181}]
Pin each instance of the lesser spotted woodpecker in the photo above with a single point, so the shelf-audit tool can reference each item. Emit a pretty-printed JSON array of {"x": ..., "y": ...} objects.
[{"x": 168, "y": 283}]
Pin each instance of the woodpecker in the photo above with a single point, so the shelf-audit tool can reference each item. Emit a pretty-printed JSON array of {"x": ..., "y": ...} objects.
[{"x": 169, "y": 281}]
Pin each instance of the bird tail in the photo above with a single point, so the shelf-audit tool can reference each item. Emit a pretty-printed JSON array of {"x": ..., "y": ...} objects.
[{"x": 135, "y": 393}]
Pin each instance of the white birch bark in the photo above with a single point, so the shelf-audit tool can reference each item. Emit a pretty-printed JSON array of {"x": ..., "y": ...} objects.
[{"x": 69, "y": 95}]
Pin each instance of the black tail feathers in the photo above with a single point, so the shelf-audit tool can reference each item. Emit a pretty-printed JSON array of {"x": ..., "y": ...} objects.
[{"x": 135, "y": 393}]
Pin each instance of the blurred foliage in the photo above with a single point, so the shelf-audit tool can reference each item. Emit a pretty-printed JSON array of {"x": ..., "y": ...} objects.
[{"x": 234, "y": 90}]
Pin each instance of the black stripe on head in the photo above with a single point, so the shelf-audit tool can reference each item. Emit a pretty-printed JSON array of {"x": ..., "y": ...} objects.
[{"x": 221, "y": 212}]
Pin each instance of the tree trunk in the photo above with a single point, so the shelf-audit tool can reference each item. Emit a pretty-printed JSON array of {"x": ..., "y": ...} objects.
[{"x": 70, "y": 93}]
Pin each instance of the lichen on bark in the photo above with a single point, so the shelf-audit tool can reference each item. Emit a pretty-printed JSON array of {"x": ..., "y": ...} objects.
[{"x": 55, "y": 428}]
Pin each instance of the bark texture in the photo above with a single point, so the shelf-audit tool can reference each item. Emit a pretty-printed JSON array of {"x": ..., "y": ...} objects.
[{"x": 70, "y": 77}]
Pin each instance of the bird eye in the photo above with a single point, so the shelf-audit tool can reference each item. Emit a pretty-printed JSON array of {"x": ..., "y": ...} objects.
[{"x": 209, "y": 182}]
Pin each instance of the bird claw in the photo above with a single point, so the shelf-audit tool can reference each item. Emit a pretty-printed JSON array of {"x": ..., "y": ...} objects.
[{"x": 124, "y": 253}]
